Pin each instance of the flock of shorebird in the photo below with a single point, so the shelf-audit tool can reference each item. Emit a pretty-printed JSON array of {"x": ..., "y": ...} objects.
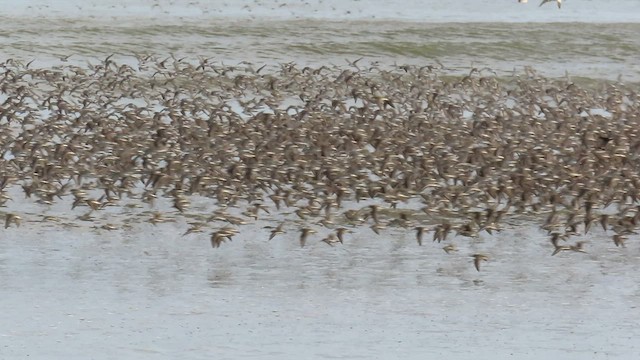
[{"x": 322, "y": 149}]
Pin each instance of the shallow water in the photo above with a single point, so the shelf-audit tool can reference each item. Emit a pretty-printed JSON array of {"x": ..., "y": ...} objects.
[
  {"x": 148, "y": 291},
  {"x": 76, "y": 291},
  {"x": 596, "y": 39},
  {"x": 611, "y": 11}
]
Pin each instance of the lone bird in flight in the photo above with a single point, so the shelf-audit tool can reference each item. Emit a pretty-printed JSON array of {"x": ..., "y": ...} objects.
[{"x": 559, "y": 2}]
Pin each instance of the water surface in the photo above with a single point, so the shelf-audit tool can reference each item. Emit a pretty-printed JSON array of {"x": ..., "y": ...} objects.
[{"x": 75, "y": 291}]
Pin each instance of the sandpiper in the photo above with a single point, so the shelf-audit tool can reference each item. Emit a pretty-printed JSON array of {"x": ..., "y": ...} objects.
[
  {"x": 419, "y": 233},
  {"x": 304, "y": 233},
  {"x": 577, "y": 248},
  {"x": 477, "y": 258},
  {"x": 278, "y": 230},
  {"x": 340, "y": 234},
  {"x": 12, "y": 218},
  {"x": 330, "y": 240},
  {"x": 450, "y": 248}
]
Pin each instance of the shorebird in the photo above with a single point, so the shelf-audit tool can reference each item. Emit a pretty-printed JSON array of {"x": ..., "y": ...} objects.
[
  {"x": 195, "y": 228},
  {"x": 377, "y": 227},
  {"x": 559, "y": 2},
  {"x": 604, "y": 221},
  {"x": 109, "y": 227},
  {"x": 419, "y": 233},
  {"x": 441, "y": 232},
  {"x": 383, "y": 102},
  {"x": 225, "y": 233},
  {"x": 278, "y": 230},
  {"x": 330, "y": 240},
  {"x": 157, "y": 218},
  {"x": 217, "y": 238},
  {"x": 577, "y": 248},
  {"x": 619, "y": 239},
  {"x": 340, "y": 234},
  {"x": 65, "y": 58},
  {"x": 353, "y": 217},
  {"x": 374, "y": 213},
  {"x": 477, "y": 258},
  {"x": 180, "y": 203},
  {"x": 94, "y": 204},
  {"x": 450, "y": 248},
  {"x": 12, "y": 218},
  {"x": 304, "y": 233},
  {"x": 302, "y": 213}
]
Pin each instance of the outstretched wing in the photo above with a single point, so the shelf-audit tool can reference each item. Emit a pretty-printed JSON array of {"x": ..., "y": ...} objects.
[{"x": 557, "y": 1}]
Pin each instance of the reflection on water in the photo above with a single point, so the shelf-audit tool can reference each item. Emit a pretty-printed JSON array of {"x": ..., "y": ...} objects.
[{"x": 375, "y": 297}]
